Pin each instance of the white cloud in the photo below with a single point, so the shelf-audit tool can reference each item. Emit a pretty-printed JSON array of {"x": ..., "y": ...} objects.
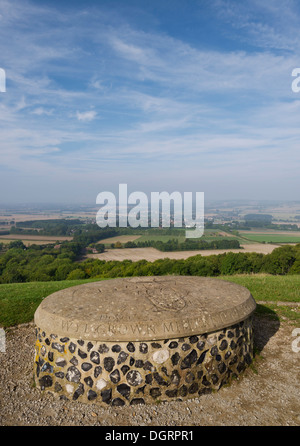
[
  {"x": 42, "y": 111},
  {"x": 96, "y": 83},
  {"x": 272, "y": 25},
  {"x": 168, "y": 106},
  {"x": 86, "y": 116}
]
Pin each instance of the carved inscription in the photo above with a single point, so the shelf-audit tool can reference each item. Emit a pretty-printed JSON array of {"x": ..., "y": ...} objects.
[
  {"x": 145, "y": 308},
  {"x": 69, "y": 326},
  {"x": 164, "y": 297},
  {"x": 165, "y": 328}
]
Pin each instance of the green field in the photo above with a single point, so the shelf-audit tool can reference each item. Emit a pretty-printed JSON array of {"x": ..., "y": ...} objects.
[
  {"x": 272, "y": 238},
  {"x": 18, "y": 301},
  {"x": 209, "y": 235}
]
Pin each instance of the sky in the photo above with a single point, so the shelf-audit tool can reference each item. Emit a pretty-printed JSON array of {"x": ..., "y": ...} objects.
[{"x": 162, "y": 95}]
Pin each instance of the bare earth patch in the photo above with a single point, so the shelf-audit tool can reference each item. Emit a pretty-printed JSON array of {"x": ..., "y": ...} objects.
[
  {"x": 46, "y": 238},
  {"x": 152, "y": 254},
  {"x": 267, "y": 393}
]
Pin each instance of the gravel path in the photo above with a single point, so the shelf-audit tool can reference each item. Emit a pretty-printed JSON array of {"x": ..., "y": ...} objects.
[{"x": 266, "y": 395}]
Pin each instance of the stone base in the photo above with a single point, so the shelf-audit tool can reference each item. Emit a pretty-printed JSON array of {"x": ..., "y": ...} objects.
[{"x": 123, "y": 373}]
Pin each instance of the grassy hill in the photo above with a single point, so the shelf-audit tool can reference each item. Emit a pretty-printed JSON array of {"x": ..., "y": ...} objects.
[{"x": 18, "y": 301}]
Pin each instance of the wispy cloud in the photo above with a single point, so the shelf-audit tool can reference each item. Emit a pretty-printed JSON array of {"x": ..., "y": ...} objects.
[
  {"x": 271, "y": 25},
  {"x": 106, "y": 95},
  {"x": 86, "y": 116},
  {"x": 42, "y": 111}
]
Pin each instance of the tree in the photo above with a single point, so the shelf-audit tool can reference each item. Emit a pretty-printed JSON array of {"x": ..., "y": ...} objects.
[
  {"x": 280, "y": 261},
  {"x": 63, "y": 268},
  {"x": 16, "y": 244},
  {"x": 100, "y": 247},
  {"x": 235, "y": 263},
  {"x": 76, "y": 274},
  {"x": 12, "y": 275}
]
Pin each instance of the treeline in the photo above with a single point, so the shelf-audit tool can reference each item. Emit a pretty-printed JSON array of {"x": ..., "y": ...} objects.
[
  {"x": 264, "y": 218},
  {"x": 186, "y": 245},
  {"x": 48, "y": 224},
  {"x": 92, "y": 233},
  {"x": 247, "y": 226},
  {"x": 38, "y": 263},
  {"x": 78, "y": 228},
  {"x": 19, "y": 263},
  {"x": 58, "y": 227}
]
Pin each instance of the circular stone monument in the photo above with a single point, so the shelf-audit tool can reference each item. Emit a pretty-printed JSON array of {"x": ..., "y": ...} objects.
[{"x": 143, "y": 339}]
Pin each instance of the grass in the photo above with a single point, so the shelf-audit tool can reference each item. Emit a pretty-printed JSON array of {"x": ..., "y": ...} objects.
[
  {"x": 272, "y": 238},
  {"x": 209, "y": 235},
  {"x": 18, "y": 301},
  {"x": 267, "y": 288}
]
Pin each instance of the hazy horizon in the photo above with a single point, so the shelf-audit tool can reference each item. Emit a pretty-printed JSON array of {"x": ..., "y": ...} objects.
[
  {"x": 161, "y": 95},
  {"x": 263, "y": 204}
]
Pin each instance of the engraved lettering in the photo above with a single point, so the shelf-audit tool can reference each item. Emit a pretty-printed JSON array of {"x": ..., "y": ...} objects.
[
  {"x": 200, "y": 321},
  {"x": 135, "y": 328},
  {"x": 234, "y": 312},
  {"x": 151, "y": 329},
  {"x": 104, "y": 317},
  {"x": 69, "y": 326},
  {"x": 123, "y": 329},
  {"x": 95, "y": 329},
  {"x": 111, "y": 329},
  {"x": 186, "y": 324},
  {"x": 214, "y": 320},
  {"x": 65, "y": 325},
  {"x": 223, "y": 316},
  {"x": 168, "y": 328}
]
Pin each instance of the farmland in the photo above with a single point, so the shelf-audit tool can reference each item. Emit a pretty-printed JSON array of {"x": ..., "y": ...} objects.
[
  {"x": 209, "y": 235},
  {"x": 120, "y": 239},
  {"x": 80, "y": 239},
  {"x": 275, "y": 238},
  {"x": 253, "y": 238},
  {"x": 149, "y": 235},
  {"x": 33, "y": 239},
  {"x": 152, "y": 254},
  {"x": 271, "y": 236}
]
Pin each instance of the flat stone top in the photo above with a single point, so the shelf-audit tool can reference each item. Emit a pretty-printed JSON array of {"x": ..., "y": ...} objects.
[{"x": 144, "y": 308}]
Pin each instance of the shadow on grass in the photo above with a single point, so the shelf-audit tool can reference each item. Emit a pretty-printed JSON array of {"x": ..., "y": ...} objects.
[{"x": 265, "y": 324}]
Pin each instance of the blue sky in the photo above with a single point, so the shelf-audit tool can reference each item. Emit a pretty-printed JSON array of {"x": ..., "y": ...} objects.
[{"x": 190, "y": 95}]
